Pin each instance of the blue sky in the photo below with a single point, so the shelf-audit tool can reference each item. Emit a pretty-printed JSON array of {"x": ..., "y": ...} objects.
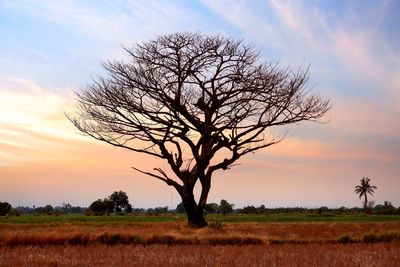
[{"x": 50, "y": 48}]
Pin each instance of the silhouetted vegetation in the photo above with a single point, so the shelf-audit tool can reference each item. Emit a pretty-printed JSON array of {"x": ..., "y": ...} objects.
[
  {"x": 48, "y": 210},
  {"x": 117, "y": 203},
  {"x": 100, "y": 207},
  {"x": 225, "y": 207},
  {"x": 107, "y": 207},
  {"x": 180, "y": 208},
  {"x": 363, "y": 189},
  {"x": 5, "y": 208},
  {"x": 211, "y": 208}
]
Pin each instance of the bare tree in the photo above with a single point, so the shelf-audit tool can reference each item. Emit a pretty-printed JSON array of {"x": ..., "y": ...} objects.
[{"x": 199, "y": 102}]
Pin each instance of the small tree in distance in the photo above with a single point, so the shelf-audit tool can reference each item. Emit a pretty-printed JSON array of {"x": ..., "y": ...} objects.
[
  {"x": 363, "y": 189},
  {"x": 211, "y": 208},
  {"x": 120, "y": 202},
  {"x": 5, "y": 208},
  {"x": 117, "y": 202},
  {"x": 98, "y": 207},
  {"x": 198, "y": 102},
  {"x": 225, "y": 207}
]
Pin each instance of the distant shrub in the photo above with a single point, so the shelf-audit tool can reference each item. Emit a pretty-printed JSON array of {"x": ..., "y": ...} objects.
[
  {"x": 5, "y": 208},
  {"x": 57, "y": 212},
  {"x": 47, "y": 210},
  {"x": 381, "y": 237},
  {"x": 161, "y": 210},
  {"x": 211, "y": 208},
  {"x": 225, "y": 207},
  {"x": 14, "y": 212},
  {"x": 322, "y": 210},
  {"x": 98, "y": 208},
  {"x": 345, "y": 239},
  {"x": 117, "y": 202},
  {"x": 180, "y": 208},
  {"x": 249, "y": 210}
]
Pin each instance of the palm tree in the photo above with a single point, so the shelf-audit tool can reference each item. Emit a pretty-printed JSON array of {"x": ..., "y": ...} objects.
[{"x": 365, "y": 188}]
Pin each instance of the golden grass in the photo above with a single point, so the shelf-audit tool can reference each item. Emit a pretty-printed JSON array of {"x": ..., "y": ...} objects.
[
  {"x": 365, "y": 255},
  {"x": 179, "y": 233},
  {"x": 176, "y": 244}
]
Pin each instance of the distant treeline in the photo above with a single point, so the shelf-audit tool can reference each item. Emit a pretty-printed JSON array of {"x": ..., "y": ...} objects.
[
  {"x": 45, "y": 210},
  {"x": 211, "y": 208}
]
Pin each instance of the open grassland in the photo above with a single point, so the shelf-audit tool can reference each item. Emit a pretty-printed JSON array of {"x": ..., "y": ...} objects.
[
  {"x": 308, "y": 217},
  {"x": 178, "y": 233},
  {"x": 168, "y": 241},
  {"x": 363, "y": 255}
]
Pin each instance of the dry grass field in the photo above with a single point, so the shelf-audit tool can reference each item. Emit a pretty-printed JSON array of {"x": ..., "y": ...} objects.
[
  {"x": 220, "y": 244},
  {"x": 363, "y": 255},
  {"x": 179, "y": 233}
]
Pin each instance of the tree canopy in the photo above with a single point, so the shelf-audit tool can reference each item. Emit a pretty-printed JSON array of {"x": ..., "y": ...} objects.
[
  {"x": 365, "y": 188},
  {"x": 198, "y": 102},
  {"x": 117, "y": 203},
  {"x": 5, "y": 208}
]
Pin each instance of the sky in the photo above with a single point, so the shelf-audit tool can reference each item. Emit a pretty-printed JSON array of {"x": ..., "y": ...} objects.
[{"x": 49, "y": 49}]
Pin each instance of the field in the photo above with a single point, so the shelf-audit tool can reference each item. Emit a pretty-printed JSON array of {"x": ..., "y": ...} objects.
[{"x": 235, "y": 240}]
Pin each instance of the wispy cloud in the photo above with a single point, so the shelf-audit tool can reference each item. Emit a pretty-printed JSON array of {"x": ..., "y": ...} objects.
[
  {"x": 122, "y": 22},
  {"x": 240, "y": 14},
  {"x": 363, "y": 51},
  {"x": 31, "y": 117}
]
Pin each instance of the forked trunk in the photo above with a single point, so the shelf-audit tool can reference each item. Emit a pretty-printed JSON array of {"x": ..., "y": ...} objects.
[{"x": 194, "y": 214}]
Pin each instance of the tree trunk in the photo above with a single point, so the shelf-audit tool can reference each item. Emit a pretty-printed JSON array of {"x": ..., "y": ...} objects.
[
  {"x": 194, "y": 214},
  {"x": 365, "y": 201}
]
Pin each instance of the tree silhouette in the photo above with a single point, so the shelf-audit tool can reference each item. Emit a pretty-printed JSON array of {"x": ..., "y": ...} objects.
[
  {"x": 225, "y": 207},
  {"x": 198, "y": 102},
  {"x": 364, "y": 188},
  {"x": 99, "y": 207},
  {"x": 5, "y": 208},
  {"x": 120, "y": 202},
  {"x": 116, "y": 202}
]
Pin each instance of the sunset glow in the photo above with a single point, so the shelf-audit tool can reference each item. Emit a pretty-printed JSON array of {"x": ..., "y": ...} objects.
[{"x": 50, "y": 49}]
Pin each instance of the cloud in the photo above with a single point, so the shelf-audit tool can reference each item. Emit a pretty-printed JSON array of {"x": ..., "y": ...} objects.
[
  {"x": 240, "y": 14},
  {"x": 122, "y": 22},
  {"x": 301, "y": 26},
  {"x": 32, "y": 118}
]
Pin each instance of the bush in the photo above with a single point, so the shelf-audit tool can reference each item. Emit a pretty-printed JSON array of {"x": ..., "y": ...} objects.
[
  {"x": 225, "y": 207},
  {"x": 161, "y": 210},
  {"x": 345, "y": 239},
  {"x": 180, "y": 208},
  {"x": 211, "y": 208},
  {"x": 48, "y": 209},
  {"x": 98, "y": 208},
  {"x": 249, "y": 210},
  {"x": 14, "y": 212},
  {"x": 5, "y": 208},
  {"x": 381, "y": 237},
  {"x": 117, "y": 202},
  {"x": 120, "y": 203}
]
